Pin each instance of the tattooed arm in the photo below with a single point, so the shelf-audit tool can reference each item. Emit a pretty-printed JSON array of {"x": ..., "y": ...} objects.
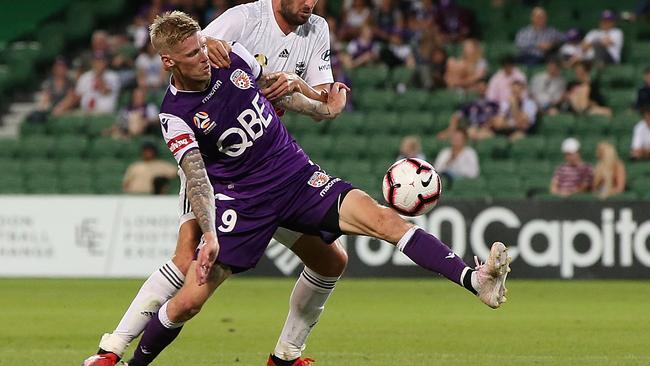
[
  {"x": 299, "y": 103},
  {"x": 201, "y": 197}
]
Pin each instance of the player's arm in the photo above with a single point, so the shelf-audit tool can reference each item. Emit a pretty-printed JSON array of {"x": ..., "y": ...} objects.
[
  {"x": 278, "y": 84},
  {"x": 316, "y": 109},
  {"x": 201, "y": 197}
]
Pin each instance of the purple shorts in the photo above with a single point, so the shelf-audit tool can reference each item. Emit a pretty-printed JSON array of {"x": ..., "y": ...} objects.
[{"x": 245, "y": 226}]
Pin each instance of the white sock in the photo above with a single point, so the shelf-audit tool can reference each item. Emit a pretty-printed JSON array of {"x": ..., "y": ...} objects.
[
  {"x": 164, "y": 319},
  {"x": 305, "y": 306},
  {"x": 156, "y": 290}
]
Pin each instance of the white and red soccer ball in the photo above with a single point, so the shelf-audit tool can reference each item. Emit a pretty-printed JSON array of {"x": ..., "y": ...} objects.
[{"x": 412, "y": 187}]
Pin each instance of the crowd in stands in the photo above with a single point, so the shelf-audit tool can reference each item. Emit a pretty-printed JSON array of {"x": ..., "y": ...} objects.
[{"x": 120, "y": 73}]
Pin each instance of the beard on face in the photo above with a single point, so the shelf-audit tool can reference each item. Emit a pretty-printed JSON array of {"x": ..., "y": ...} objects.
[{"x": 294, "y": 19}]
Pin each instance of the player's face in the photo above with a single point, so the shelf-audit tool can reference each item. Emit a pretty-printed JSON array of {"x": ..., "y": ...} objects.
[
  {"x": 297, "y": 12},
  {"x": 189, "y": 59}
]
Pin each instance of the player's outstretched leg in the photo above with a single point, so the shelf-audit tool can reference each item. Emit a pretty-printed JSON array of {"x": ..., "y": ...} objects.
[
  {"x": 360, "y": 214},
  {"x": 156, "y": 290},
  {"x": 163, "y": 328}
]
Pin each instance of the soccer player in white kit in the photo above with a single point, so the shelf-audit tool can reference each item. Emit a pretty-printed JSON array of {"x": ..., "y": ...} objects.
[{"x": 294, "y": 46}]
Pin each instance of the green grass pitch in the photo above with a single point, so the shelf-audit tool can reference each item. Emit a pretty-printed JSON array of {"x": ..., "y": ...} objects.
[{"x": 53, "y": 322}]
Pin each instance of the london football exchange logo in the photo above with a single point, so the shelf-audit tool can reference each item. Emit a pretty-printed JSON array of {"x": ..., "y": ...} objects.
[
  {"x": 203, "y": 122},
  {"x": 240, "y": 79}
]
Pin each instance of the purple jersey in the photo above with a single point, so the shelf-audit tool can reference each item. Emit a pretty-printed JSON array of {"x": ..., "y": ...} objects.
[{"x": 246, "y": 149}]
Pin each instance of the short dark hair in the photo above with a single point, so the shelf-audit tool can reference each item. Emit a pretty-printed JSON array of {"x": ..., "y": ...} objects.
[
  {"x": 149, "y": 145},
  {"x": 507, "y": 60}
]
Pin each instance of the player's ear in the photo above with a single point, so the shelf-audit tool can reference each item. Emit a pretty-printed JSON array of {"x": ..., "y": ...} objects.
[{"x": 167, "y": 61}]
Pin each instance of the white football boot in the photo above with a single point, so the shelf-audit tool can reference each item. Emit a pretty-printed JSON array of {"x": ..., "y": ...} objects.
[{"x": 489, "y": 279}]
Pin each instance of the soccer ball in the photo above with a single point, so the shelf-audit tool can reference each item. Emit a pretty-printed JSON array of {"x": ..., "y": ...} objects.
[{"x": 412, "y": 187}]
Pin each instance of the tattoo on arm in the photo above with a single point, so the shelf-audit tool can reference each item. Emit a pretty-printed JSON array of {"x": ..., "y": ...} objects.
[
  {"x": 199, "y": 190},
  {"x": 299, "y": 103}
]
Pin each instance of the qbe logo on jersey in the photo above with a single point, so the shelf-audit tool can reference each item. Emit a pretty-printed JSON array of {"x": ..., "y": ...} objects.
[
  {"x": 203, "y": 122},
  {"x": 240, "y": 79},
  {"x": 318, "y": 179}
]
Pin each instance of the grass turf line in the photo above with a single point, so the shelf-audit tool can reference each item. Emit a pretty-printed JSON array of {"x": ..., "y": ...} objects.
[{"x": 53, "y": 322}]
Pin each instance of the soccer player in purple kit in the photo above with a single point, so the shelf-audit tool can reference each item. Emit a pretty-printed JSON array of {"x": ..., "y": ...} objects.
[{"x": 238, "y": 152}]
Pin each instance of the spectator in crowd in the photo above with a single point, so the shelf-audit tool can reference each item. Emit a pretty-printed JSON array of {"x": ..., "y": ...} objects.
[
  {"x": 604, "y": 45},
  {"x": 138, "y": 31},
  {"x": 99, "y": 45},
  {"x": 499, "y": 85},
  {"x": 641, "y": 136},
  {"x": 388, "y": 20},
  {"x": 537, "y": 40},
  {"x": 431, "y": 60},
  {"x": 574, "y": 176},
  {"x": 609, "y": 173},
  {"x": 140, "y": 175},
  {"x": 353, "y": 19},
  {"x": 137, "y": 118},
  {"x": 454, "y": 22},
  {"x": 411, "y": 147},
  {"x": 548, "y": 87},
  {"x": 362, "y": 50},
  {"x": 583, "y": 95},
  {"x": 475, "y": 116},
  {"x": 466, "y": 71},
  {"x": 571, "y": 51},
  {"x": 97, "y": 89},
  {"x": 149, "y": 69},
  {"x": 161, "y": 186},
  {"x": 458, "y": 161},
  {"x": 643, "y": 94},
  {"x": 57, "y": 93},
  {"x": 398, "y": 52},
  {"x": 124, "y": 59},
  {"x": 516, "y": 116}
]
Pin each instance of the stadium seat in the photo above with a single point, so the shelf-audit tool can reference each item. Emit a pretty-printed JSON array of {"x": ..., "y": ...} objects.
[
  {"x": 11, "y": 166},
  {"x": 98, "y": 124},
  {"x": 350, "y": 147},
  {"x": 494, "y": 148},
  {"x": 401, "y": 75},
  {"x": 383, "y": 147},
  {"x": 75, "y": 168},
  {"x": 36, "y": 147},
  {"x": 32, "y": 129},
  {"x": 531, "y": 147},
  {"x": 415, "y": 123},
  {"x": 350, "y": 169},
  {"x": 348, "y": 123},
  {"x": 558, "y": 125},
  {"x": 369, "y": 77},
  {"x": 620, "y": 100},
  {"x": 375, "y": 99},
  {"x": 9, "y": 148},
  {"x": 432, "y": 147},
  {"x": 11, "y": 184},
  {"x": 411, "y": 101},
  {"x": 108, "y": 166},
  {"x": 70, "y": 147},
  {"x": 318, "y": 147},
  {"x": 497, "y": 169},
  {"x": 77, "y": 185},
  {"x": 619, "y": 76},
  {"x": 106, "y": 147},
  {"x": 445, "y": 100},
  {"x": 467, "y": 189},
  {"x": 387, "y": 122},
  {"x": 39, "y": 167},
  {"x": 42, "y": 184},
  {"x": 108, "y": 184},
  {"x": 69, "y": 125}
]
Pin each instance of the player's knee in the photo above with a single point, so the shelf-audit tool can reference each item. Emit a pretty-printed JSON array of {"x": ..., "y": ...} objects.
[
  {"x": 185, "y": 310},
  {"x": 338, "y": 263},
  {"x": 389, "y": 225}
]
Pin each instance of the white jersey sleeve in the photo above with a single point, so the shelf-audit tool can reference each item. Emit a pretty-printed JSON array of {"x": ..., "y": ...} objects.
[
  {"x": 242, "y": 52},
  {"x": 178, "y": 135},
  {"x": 229, "y": 26},
  {"x": 319, "y": 67}
]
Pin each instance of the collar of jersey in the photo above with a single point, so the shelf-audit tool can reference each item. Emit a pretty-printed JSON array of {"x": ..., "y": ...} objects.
[{"x": 175, "y": 90}]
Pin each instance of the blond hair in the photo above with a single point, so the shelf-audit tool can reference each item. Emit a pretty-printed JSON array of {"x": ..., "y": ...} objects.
[
  {"x": 171, "y": 29},
  {"x": 606, "y": 168}
]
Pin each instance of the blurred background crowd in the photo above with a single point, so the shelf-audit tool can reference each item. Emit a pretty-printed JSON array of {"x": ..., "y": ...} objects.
[{"x": 509, "y": 99}]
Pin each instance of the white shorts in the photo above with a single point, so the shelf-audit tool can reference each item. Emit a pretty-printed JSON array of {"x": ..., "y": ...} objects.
[{"x": 285, "y": 236}]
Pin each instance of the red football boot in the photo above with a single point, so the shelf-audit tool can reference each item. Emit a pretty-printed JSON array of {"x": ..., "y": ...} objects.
[
  {"x": 297, "y": 362},
  {"x": 104, "y": 359}
]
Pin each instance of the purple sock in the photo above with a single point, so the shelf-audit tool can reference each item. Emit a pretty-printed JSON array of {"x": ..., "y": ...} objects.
[
  {"x": 154, "y": 339},
  {"x": 429, "y": 252}
]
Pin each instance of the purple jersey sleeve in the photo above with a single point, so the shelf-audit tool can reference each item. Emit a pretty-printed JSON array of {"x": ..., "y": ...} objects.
[{"x": 241, "y": 51}]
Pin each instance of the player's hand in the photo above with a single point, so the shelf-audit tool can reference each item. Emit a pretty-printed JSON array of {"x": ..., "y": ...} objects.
[
  {"x": 207, "y": 257},
  {"x": 282, "y": 83},
  {"x": 218, "y": 52},
  {"x": 337, "y": 97}
]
